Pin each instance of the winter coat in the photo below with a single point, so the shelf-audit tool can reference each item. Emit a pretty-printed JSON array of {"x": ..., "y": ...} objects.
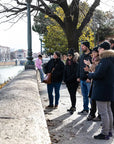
[
  {"x": 103, "y": 78},
  {"x": 81, "y": 73},
  {"x": 58, "y": 65},
  {"x": 70, "y": 71}
]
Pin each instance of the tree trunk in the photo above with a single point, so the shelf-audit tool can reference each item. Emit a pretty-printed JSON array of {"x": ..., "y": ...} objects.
[{"x": 71, "y": 34}]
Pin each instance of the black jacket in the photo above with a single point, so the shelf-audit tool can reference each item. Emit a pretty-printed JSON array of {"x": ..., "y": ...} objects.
[
  {"x": 57, "y": 74},
  {"x": 81, "y": 73},
  {"x": 103, "y": 78},
  {"x": 70, "y": 72}
]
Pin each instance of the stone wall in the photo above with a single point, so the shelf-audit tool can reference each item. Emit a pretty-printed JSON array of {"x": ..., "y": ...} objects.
[
  {"x": 22, "y": 119},
  {"x": 7, "y": 63}
]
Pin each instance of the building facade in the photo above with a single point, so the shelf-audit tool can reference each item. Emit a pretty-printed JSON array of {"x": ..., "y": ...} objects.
[{"x": 4, "y": 53}]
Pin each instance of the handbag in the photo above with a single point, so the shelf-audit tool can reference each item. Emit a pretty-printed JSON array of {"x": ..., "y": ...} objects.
[{"x": 47, "y": 78}]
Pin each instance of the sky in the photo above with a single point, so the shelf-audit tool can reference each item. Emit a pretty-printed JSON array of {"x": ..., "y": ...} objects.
[{"x": 16, "y": 36}]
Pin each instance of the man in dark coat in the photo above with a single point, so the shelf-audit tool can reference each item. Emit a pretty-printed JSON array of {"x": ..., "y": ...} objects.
[
  {"x": 103, "y": 89},
  {"x": 82, "y": 76}
]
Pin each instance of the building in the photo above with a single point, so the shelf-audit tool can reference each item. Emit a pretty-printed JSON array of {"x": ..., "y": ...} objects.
[
  {"x": 4, "y": 53},
  {"x": 20, "y": 54}
]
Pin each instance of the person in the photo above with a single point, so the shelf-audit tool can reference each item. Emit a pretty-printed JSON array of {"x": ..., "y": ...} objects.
[
  {"x": 70, "y": 79},
  {"x": 38, "y": 64},
  {"x": 82, "y": 77},
  {"x": 112, "y": 102},
  {"x": 56, "y": 67},
  {"x": 112, "y": 44},
  {"x": 103, "y": 89},
  {"x": 91, "y": 68}
]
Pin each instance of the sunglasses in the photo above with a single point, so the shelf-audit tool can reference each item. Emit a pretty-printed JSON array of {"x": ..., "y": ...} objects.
[{"x": 69, "y": 55}]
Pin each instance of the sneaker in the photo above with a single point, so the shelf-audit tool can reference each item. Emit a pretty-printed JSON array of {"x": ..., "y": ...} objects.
[
  {"x": 90, "y": 117},
  {"x": 110, "y": 134},
  {"x": 101, "y": 137},
  {"x": 83, "y": 112},
  {"x": 96, "y": 119},
  {"x": 49, "y": 106}
]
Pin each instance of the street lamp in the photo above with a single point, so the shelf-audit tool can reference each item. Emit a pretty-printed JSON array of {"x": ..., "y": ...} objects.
[
  {"x": 30, "y": 63},
  {"x": 40, "y": 38}
]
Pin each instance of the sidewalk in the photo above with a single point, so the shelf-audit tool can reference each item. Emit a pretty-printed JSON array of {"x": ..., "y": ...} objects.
[{"x": 65, "y": 128}]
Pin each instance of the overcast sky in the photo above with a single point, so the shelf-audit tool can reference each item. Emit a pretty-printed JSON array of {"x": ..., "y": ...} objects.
[{"x": 16, "y": 36}]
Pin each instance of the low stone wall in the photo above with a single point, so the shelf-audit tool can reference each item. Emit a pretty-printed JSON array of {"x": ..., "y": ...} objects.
[
  {"x": 7, "y": 63},
  {"x": 22, "y": 119}
]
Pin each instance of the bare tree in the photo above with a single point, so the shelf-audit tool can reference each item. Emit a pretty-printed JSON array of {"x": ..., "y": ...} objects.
[{"x": 15, "y": 9}]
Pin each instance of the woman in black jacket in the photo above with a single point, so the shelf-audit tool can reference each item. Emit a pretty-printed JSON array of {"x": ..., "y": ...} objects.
[
  {"x": 70, "y": 79},
  {"x": 56, "y": 67}
]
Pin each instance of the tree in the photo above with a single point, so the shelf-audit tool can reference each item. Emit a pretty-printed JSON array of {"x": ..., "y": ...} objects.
[
  {"x": 70, "y": 22},
  {"x": 55, "y": 38},
  {"x": 103, "y": 24}
]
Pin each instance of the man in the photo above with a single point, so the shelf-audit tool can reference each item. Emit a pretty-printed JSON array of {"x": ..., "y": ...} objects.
[
  {"x": 38, "y": 64},
  {"x": 82, "y": 76},
  {"x": 103, "y": 89},
  {"x": 112, "y": 44}
]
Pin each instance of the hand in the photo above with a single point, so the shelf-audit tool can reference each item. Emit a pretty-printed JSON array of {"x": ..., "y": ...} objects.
[
  {"x": 78, "y": 79},
  {"x": 86, "y": 68},
  {"x": 87, "y": 62},
  {"x": 88, "y": 80}
]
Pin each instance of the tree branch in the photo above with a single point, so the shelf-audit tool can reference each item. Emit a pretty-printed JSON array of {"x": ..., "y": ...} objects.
[{"x": 88, "y": 15}]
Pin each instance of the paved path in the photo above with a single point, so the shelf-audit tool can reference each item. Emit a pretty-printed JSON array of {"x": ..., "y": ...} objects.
[{"x": 69, "y": 129}]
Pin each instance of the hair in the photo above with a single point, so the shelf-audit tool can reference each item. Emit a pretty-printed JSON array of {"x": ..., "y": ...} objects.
[
  {"x": 76, "y": 57},
  {"x": 111, "y": 41},
  {"x": 40, "y": 55}
]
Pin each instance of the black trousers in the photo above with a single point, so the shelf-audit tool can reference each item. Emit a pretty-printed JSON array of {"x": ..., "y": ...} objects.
[
  {"x": 93, "y": 108},
  {"x": 72, "y": 88}
]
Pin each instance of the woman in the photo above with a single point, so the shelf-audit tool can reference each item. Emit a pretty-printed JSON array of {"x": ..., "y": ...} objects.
[
  {"x": 70, "y": 78},
  {"x": 103, "y": 89},
  {"x": 56, "y": 67}
]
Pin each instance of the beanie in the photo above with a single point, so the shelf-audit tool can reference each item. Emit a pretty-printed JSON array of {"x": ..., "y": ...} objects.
[
  {"x": 105, "y": 45},
  {"x": 71, "y": 52},
  {"x": 95, "y": 49},
  {"x": 86, "y": 43},
  {"x": 57, "y": 53}
]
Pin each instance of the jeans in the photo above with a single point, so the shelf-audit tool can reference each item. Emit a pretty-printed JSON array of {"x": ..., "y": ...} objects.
[
  {"x": 85, "y": 88},
  {"x": 41, "y": 74},
  {"x": 56, "y": 87},
  {"x": 104, "y": 109}
]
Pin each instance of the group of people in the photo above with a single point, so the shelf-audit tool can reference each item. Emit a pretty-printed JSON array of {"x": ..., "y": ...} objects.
[{"x": 94, "y": 70}]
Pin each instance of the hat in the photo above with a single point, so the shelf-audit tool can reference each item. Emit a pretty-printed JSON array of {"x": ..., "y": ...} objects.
[
  {"x": 95, "y": 49},
  {"x": 71, "y": 52},
  {"x": 86, "y": 43},
  {"x": 105, "y": 45},
  {"x": 57, "y": 53}
]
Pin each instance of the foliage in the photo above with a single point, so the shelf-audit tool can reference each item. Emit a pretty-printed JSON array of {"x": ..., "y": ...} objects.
[{"x": 55, "y": 39}]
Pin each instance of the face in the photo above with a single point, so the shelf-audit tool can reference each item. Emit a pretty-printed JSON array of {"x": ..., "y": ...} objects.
[
  {"x": 100, "y": 50},
  {"x": 84, "y": 48},
  {"x": 69, "y": 56},
  {"x": 112, "y": 45},
  {"x": 94, "y": 54},
  {"x": 55, "y": 56}
]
